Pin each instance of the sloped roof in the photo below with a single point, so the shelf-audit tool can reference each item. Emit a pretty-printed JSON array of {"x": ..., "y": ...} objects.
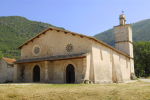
[
  {"x": 81, "y": 35},
  {"x": 50, "y": 58},
  {"x": 8, "y": 60}
]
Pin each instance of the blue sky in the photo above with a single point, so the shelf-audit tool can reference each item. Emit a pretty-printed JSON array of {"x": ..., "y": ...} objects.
[{"x": 88, "y": 17}]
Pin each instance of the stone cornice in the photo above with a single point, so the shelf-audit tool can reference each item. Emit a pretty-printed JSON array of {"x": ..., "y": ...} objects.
[
  {"x": 123, "y": 41},
  {"x": 123, "y": 25}
]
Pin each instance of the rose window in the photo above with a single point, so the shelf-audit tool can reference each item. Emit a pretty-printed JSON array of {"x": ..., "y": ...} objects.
[
  {"x": 69, "y": 47},
  {"x": 36, "y": 50}
]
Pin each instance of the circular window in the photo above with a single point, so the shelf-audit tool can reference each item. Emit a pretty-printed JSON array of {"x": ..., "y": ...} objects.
[
  {"x": 69, "y": 48},
  {"x": 36, "y": 50}
]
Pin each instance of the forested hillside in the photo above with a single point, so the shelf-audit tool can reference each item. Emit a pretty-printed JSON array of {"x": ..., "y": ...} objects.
[
  {"x": 15, "y": 30},
  {"x": 141, "y": 32}
]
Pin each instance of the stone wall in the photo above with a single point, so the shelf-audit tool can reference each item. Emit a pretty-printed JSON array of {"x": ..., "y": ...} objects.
[
  {"x": 56, "y": 71},
  {"x": 123, "y": 39},
  {"x": 27, "y": 70},
  {"x": 6, "y": 74}
]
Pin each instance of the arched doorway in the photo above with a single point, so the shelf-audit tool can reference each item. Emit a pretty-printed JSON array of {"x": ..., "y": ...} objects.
[
  {"x": 70, "y": 74},
  {"x": 36, "y": 74}
]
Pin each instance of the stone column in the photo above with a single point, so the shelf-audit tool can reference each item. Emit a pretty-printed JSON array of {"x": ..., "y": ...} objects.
[
  {"x": 15, "y": 73},
  {"x": 86, "y": 68},
  {"x": 76, "y": 73},
  {"x": 46, "y": 71}
]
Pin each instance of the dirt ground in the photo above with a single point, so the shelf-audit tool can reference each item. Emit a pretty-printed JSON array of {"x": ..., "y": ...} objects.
[{"x": 123, "y": 91}]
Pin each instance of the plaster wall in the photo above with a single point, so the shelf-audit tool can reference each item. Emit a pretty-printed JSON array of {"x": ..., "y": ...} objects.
[
  {"x": 87, "y": 65},
  {"x": 125, "y": 68},
  {"x": 54, "y": 43},
  {"x": 91, "y": 76},
  {"x": 10, "y": 73},
  {"x": 109, "y": 65},
  {"x": 5, "y": 72},
  {"x": 102, "y": 63},
  {"x": 132, "y": 65},
  {"x": 117, "y": 67}
]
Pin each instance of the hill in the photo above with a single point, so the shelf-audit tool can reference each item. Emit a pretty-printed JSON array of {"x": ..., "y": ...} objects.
[
  {"x": 140, "y": 31},
  {"x": 15, "y": 30}
]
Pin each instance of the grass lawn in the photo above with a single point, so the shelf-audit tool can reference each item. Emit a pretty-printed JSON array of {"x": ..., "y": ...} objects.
[{"x": 129, "y": 91}]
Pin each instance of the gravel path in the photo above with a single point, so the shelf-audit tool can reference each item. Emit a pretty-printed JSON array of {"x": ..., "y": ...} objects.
[
  {"x": 144, "y": 79},
  {"x": 131, "y": 81}
]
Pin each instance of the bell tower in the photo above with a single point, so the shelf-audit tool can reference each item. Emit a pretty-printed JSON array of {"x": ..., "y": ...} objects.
[{"x": 123, "y": 37}]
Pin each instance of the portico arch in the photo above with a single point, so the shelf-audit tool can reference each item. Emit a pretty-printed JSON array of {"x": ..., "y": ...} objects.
[
  {"x": 70, "y": 74},
  {"x": 32, "y": 69},
  {"x": 64, "y": 69},
  {"x": 36, "y": 73}
]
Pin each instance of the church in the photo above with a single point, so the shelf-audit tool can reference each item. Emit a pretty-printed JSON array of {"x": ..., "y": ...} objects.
[{"x": 58, "y": 56}]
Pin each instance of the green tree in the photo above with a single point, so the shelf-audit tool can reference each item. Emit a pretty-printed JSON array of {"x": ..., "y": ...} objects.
[
  {"x": 142, "y": 57},
  {"x": 1, "y": 55}
]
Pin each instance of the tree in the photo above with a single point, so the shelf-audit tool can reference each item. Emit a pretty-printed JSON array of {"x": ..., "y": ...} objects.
[
  {"x": 142, "y": 57},
  {"x": 1, "y": 55}
]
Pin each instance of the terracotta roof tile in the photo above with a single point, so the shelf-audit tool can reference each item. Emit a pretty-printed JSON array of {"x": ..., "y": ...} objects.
[
  {"x": 58, "y": 57},
  {"x": 8, "y": 60}
]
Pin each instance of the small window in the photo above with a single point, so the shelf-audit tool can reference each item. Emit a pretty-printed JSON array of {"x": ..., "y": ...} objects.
[{"x": 10, "y": 65}]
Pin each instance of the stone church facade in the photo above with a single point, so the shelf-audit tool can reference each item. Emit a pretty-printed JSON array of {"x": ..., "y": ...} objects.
[{"x": 60, "y": 56}]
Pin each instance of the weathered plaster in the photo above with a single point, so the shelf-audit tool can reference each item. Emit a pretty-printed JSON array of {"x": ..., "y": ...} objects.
[{"x": 6, "y": 74}]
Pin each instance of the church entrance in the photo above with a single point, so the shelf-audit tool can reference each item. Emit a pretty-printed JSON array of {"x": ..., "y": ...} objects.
[
  {"x": 36, "y": 74},
  {"x": 70, "y": 74}
]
